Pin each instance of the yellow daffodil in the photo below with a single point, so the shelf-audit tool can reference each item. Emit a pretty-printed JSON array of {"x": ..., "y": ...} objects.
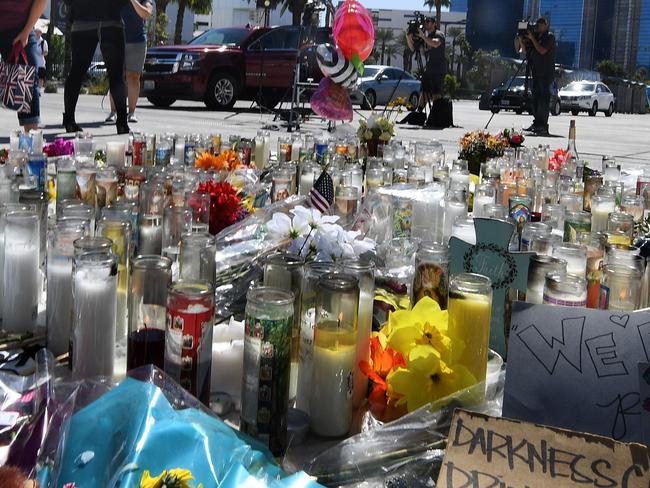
[
  {"x": 169, "y": 478},
  {"x": 426, "y": 379}
]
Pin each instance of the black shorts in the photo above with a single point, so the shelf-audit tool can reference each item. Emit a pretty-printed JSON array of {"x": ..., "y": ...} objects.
[
  {"x": 432, "y": 83},
  {"x": 41, "y": 73}
]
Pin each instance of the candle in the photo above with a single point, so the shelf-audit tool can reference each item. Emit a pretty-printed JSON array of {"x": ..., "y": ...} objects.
[
  {"x": 281, "y": 184},
  {"x": 86, "y": 185},
  {"x": 470, "y": 307},
  {"x": 428, "y": 213},
  {"x": 66, "y": 179},
  {"x": 565, "y": 290},
  {"x": 197, "y": 257},
  {"x": 453, "y": 210},
  {"x": 431, "y": 277},
  {"x": 540, "y": 266},
  {"x": 575, "y": 256},
  {"x": 621, "y": 288},
  {"x": 94, "y": 291},
  {"x": 601, "y": 207},
  {"x": 115, "y": 153},
  {"x": 150, "y": 237},
  {"x": 346, "y": 201},
  {"x": 463, "y": 229},
  {"x": 106, "y": 181},
  {"x": 228, "y": 360}
]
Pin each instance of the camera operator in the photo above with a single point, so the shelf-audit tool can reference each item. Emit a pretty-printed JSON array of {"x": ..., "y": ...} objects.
[
  {"x": 433, "y": 42},
  {"x": 539, "y": 46}
]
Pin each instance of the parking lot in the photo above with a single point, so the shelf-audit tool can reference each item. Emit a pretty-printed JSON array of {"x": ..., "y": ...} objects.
[{"x": 624, "y": 136}]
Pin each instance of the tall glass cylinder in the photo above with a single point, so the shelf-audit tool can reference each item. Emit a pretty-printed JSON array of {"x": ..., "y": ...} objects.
[
  {"x": 285, "y": 271},
  {"x": 66, "y": 179},
  {"x": 312, "y": 273},
  {"x": 176, "y": 222},
  {"x": 94, "y": 292},
  {"x": 38, "y": 201},
  {"x": 106, "y": 181},
  {"x": 86, "y": 244},
  {"x": 364, "y": 270},
  {"x": 335, "y": 352},
  {"x": 540, "y": 266},
  {"x": 115, "y": 153},
  {"x": 281, "y": 184},
  {"x": 575, "y": 222},
  {"x": 150, "y": 235},
  {"x": 346, "y": 203},
  {"x": 484, "y": 194},
  {"x": 470, "y": 307},
  {"x": 86, "y": 183},
  {"x": 188, "y": 342},
  {"x": 149, "y": 280},
  {"x": 267, "y": 357},
  {"x": 453, "y": 210},
  {"x": 601, "y": 206},
  {"x": 622, "y": 223},
  {"x": 197, "y": 257},
  {"x": 21, "y": 276},
  {"x": 431, "y": 277},
  {"x": 59, "y": 311}
]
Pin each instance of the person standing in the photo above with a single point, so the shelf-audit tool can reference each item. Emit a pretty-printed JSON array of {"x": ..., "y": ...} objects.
[
  {"x": 96, "y": 22},
  {"x": 539, "y": 46},
  {"x": 436, "y": 64},
  {"x": 134, "y": 15},
  {"x": 17, "y": 20},
  {"x": 42, "y": 50}
]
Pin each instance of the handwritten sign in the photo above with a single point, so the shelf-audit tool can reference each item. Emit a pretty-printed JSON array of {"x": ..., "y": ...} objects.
[
  {"x": 576, "y": 368},
  {"x": 644, "y": 392},
  {"x": 490, "y": 257},
  {"x": 490, "y": 452}
]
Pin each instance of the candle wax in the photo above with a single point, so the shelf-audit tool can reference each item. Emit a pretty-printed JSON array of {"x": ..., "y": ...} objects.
[
  {"x": 59, "y": 304},
  {"x": 21, "y": 290}
]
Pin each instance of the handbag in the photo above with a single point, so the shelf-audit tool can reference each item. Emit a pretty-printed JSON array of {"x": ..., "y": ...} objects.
[{"x": 17, "y": 81}]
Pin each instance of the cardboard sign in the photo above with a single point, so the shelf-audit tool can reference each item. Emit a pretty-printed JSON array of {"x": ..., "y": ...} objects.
[
  {"x": 490, "y": 452},
  {"x": 490, "y": 257},
  {"x": 644, "y": 392},
  {"x": 577, "y": 368}
]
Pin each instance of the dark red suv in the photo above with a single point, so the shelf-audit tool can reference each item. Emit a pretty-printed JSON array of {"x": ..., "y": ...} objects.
[{"x": 224, "y": 65}]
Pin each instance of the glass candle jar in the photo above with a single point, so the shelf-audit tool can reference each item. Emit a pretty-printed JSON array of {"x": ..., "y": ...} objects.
[
  {"x": 312, "y": 273},
  {"x": 565, "y": 289},
  {"x": 84, "y": 145},
  {"x": 431, "y": 276},
  {"x": 281, "y": 184},
  {"x": 464, "y": 230},
  {"x": 38, "y": 201},
  {"x": 199, "y": 203},
  {"x": 284, "y": 149},
  {"x": 197, "y": 257},
  {"x": 484, "y": 194},
  {"x": 574, "y": 223},
  {"x": 601, "y": 206},
  {"x": 470, "y": 309},
  {"x": 21, "y": 275},
  {"x": 176, "y": 222},
  {"x": 453, "y": 211},
  {"x": 87, "y": 244},
  {"x": 592, "y": 183},
  {"x": 576, "y": 257},
  {"x": 106, "y": 181},
  {"x": 94, "y": 292},
  {"x": 115, "y": 153},
  {"x": 533, "y": 231},
  {"x": 495, "y": 211},
  {"x": 188, "y": 341},
  {"x": 346, "y": 202},
  {"x": 595, "y": 254},
  {"x": 86, "y": 175},
  {"x": 553, "y": 215},
  {"x": 632, "y": 204},
  {"x": 148, "y": 283},
  {"x": 308, "y": 173},
  {"x": 621, "y": 222},
  {"x": 571, "y": 201},
  {"x": 285, "y": 271},
  {"x": 66, "y": 179},
  {"x": 620, "y": 288},
  {"x": 540, "y": 266},
  {"x": 364, "y": 270},
  {"x": 335, "y": 351},
  {"x": 150, "y": 235},
  {"x": 138, "y": 148},
  {"x": 267, "y": 364}
]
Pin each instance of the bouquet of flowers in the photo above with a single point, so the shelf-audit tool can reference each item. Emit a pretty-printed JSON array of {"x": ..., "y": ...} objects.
[
  {"x": 556, "y": 161},
  {"x": 514, "y": 138},
  {"x": 228, "y": 204},
  {"x": 414, "y": 361},
  {"x": 316, "y": 236},
  {"x": 60, "y": 147},
  {"x": 375, "y": 127},
  {"x": 227, "y": 160},
  {"x": 478, "y": 146}
]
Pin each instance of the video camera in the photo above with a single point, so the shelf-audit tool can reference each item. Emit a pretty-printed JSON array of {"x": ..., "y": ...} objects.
[
  {"x": 524, "y": 27},
  {"x": 413, "y": 26}
]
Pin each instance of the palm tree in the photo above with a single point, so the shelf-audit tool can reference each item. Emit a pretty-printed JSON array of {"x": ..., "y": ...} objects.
[
  {"x": 453, "y": 32},
  {"x": 438, "y": 4},
  {"x": 196, "y": 6},
  {"x": 383, "y": 37},
  {"x": 390, "y": 51}
]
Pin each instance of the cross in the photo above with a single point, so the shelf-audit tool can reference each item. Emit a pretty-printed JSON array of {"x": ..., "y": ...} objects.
[{"x": 490, "y": 257}]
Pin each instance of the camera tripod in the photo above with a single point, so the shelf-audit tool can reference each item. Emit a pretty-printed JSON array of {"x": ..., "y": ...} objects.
[{"x": 512, "y": 78}]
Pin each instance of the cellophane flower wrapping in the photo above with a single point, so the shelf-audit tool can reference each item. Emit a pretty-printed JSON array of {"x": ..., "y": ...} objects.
[{"x": 126, "y": 435}]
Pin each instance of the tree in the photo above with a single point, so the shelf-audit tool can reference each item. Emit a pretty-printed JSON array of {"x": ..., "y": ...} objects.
[
  {"x": 161, "y": 21},
  {"x": 438, "y": 4},
  {"x": 383, "y": 37},
  {"x": 607, "y": 67},
  {"x": 196, "y": 6},
  {"x": 390, "y": 51},
  {"x": 453, "y": 32}
]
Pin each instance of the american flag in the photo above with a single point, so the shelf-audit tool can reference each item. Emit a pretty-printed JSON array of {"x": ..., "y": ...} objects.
[{"x": 321, "y": 194}]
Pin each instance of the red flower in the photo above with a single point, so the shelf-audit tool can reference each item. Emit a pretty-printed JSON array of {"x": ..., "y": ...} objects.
[
  {"x": 225, "y": 204},
  {"x": 382, "y": 362}
]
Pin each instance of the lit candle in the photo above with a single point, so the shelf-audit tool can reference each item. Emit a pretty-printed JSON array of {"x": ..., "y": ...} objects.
[{"x": 150, "y": 238}]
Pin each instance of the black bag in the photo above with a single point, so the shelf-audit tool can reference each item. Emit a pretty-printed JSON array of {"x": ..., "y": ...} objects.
[
  {"x": 441, "y": 115},
  {"x": 414, "y": 118}
]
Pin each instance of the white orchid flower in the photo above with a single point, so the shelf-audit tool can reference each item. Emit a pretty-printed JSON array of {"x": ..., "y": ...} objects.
[
  {"x": 281, "y": 226},
  {"x": 313, "y": 218}
]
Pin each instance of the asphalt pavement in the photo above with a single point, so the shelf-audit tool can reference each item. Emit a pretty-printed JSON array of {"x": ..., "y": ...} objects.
[{"x": 623, "y": 136}]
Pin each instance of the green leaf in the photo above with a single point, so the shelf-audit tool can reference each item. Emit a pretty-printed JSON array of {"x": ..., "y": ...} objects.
[{"x": 357, "y": 63}]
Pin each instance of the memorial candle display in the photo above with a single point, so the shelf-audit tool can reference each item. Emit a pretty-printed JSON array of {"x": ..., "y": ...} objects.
[
  {"x": 148, "y": 283},
  {"x": 470, "y": 307},
  {"x": 267, "y": 363},
  {"x": 21, "y": 276},
  {"x": 94, "y": 294},
  {"x": 601, "y": 206},
  {"x": 150, "y": 235},
  {"x": 196, "y": 258},
  {"x": 335, "y": 352}
]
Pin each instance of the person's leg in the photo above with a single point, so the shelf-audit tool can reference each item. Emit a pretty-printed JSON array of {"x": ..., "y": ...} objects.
[
  {"x": 133, "y": 84},
  {"x": 111, "y": 44},
  {"x": 83, "y": 44},
  {"x": 133, "y": 66},
  {"x": 544, "y": 102},
  {"x": 31, "y": 119},
  {"x": 536, "y": 94}
]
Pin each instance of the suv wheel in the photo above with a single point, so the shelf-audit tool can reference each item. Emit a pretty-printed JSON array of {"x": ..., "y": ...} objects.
[
  {"x": 594, "y": 110},
  {"x": 610, "y": 110},
  {"x": 161, "y": 101},
  {"x": 556, "y": 108},
  {"x": 222, "y": 92},
  {"x": 369, "y": 100}
]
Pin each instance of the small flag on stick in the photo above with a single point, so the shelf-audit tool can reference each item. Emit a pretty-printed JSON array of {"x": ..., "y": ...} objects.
[{"x": 321, "y": 194}]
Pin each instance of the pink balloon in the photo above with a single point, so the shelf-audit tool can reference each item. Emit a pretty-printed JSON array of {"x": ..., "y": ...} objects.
[
  {"x": 331, "y": 101},
  {"x": 353, "y": 30}
]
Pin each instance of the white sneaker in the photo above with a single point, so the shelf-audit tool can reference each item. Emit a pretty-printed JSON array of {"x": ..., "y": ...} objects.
[
  {"x": 131, "y": 118},
  {"x": 111, "y": 119}
]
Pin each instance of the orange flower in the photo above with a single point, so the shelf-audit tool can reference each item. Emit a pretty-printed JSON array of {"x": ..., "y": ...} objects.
[
  {"x": 226, "y": 160},
  {"x": 206, "y": 161}
]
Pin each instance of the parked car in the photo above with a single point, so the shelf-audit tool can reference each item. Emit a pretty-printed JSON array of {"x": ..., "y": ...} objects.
[
  {"x": 378, "y": 84},
  {"x": 96, "y": 70},
  {"x": 228, "y": 64},
  {"x": 587, "y": 96},
  {"x": 509, "y": 95}
]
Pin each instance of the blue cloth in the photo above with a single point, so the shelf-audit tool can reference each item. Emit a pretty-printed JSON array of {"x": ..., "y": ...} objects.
[
  {"x": 133, "y": 428},
  {"x": 135, "y": 30}
]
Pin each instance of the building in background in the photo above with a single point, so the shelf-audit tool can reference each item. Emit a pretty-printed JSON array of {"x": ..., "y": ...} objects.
[
  {"x": 492, "y": 24},
  {"x": 226, "y": 13},
  {"x": 458, "y": 6}
]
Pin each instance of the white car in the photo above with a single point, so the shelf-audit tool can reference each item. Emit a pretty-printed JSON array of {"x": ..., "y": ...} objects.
[{"x": 587, "y": 96}]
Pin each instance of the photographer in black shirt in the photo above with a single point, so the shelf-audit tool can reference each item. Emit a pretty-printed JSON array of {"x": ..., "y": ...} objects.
[
  {"x": 539, "y": 46},
  {"x": 436, "y": 64}
]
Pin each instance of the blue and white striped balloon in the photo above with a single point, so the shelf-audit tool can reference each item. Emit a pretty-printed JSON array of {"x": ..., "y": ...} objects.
[{"x": 334, "y": 65}]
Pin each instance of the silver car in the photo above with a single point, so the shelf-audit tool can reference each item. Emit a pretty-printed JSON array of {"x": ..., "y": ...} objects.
[
  {"x": 377, "y": 86},
  {"x": 587, "y": 96}
]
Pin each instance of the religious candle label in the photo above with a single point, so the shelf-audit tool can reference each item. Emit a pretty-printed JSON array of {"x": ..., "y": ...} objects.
[
  {"x": 576, "y": 368},
  {"x": 402, "y": 218},
  {"x": 188, "y": 350},
  {"x": 431, "y": 280},
  {"x": 490, "y": 452},
  {"x": 265, "y": 392}
]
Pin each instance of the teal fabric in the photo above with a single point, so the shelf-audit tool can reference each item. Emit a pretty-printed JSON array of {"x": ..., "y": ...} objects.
[{"x": 133, "y": 428}]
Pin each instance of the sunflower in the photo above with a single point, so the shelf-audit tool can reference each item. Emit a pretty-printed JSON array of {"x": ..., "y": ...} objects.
[{"x": 169, "y": 478}]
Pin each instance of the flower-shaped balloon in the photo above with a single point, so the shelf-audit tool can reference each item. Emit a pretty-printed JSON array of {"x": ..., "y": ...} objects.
[{"x": 353, "y": 31}]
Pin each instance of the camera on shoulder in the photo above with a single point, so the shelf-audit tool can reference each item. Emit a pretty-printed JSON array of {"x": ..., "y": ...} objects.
[
  {"x": 524, "y": 27},
  {"x": 417, "y": 23}
]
